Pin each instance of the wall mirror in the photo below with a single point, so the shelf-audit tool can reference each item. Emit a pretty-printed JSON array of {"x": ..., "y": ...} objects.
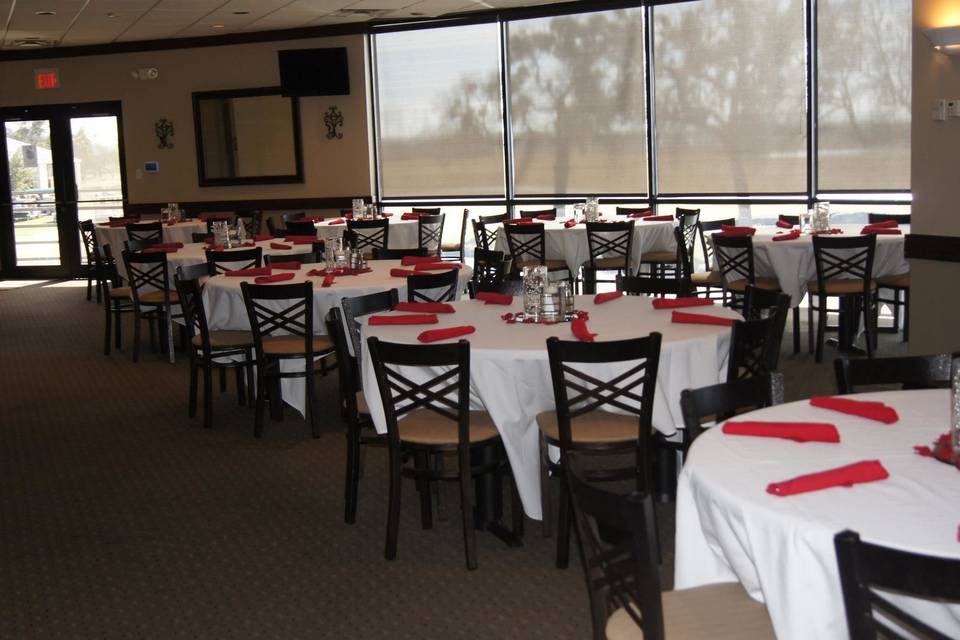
[{"x": 247, "y": 136}]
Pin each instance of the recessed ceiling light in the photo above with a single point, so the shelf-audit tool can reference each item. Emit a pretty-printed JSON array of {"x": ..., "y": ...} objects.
[
  {"x": 416, "y": 13},
  {"x": 32, "y": 43},
  {"x": 216, "y": 26},
  {"x": 45, "y": 13},
  {"x": 113, "y": 15},
  {"x": 240, "y": 13}
]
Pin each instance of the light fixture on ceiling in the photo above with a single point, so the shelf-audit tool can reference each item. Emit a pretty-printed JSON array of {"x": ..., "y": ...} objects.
[
  {"x": 216, "y": 26},
  {"x": 113, "y": 15},
  {"x": 33, "y": 43},
  {"x": 45, "y": 13},
  {"x": 241, "y": 13},
  {"x": 945, "y": 39}
]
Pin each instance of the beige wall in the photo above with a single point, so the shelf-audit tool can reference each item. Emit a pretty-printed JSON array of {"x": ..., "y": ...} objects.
[
  {"x": 332, "y": 168},
  {"x": 935, "y": 180}
]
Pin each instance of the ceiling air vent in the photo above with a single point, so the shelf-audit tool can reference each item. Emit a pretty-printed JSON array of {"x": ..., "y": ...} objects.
[
  {"x": 33, "y": 43},
  {"x": 360, "y": 13}
]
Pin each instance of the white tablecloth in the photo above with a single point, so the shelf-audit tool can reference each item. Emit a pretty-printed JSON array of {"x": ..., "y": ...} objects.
[
  {"x": 510, "y": 373},
  {"x": 791, "y": 261},
  {"x": 223, "y": 301},
  {"x": 570, "y": 245},
  {"x": 180, "y": 232},
  {"x": 403, "y": 233},
  {"x": 781, "y": 548},
  {"x": 194, "y": 253}
]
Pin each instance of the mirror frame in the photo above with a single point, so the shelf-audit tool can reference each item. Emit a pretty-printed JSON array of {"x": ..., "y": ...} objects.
[{"x": 242, "y": 180}]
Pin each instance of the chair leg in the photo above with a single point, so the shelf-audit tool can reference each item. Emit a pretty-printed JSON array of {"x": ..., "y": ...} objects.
[
  {"x": 136, "y": 336},
  {"x": 352, "y": 482},
  {"x": 251, "y": 378},
  {"x": 546, "y": 490},
  {"x": 466, "y": 508},
  {"x": 796, "y": 329},
  {"x": 563, "y": 526},
  {"x": 312, "y": 402},
  {"x": 90, "y": 290},
  {"x": 261, "y": 399},
  {"x": 422, "y": 465},
  {"x": 241, "y": 387},
  {"x": 192, "y": 399},
  {"x": 223, "y": 379},
  {"x": 810, "y": 326},
  {"x": 208, "y": 395},
  {"x": 108, "y": 322},
  {"x": 870, "y": 312},
  {"x": 906, "y": 315},
  {"x": 118, "y": 325},
  {"x": 821, "y": 326},
  {"x": 393, "y": 507}
]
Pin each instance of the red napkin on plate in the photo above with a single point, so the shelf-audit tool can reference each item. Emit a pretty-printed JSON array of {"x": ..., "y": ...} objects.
[
  {"x": 289, "y": 266},
  {"x": 783, "y": 224},
  {"x": 600, "y": 298},
  {"x": 260, "y": 237},
  {"x": 278, "y": 245},
  {"x": 579, "y": 328},
  {"x": 490, "y": 297},
  {"x": 409, "y": 261},
  {"x": 158, "y": 249},
  {"x": 402, "y": 273},
  {"x": 416, "y": 318},
  {"x": 280, "y": 277},
  {"x": 433, "y": 335},
  {"x": 679, "y": 317},
  {"x": 797, "y": 431},
  {"x": 884, "y": 231},
  {"x": 328, "y": 280},
  {"x": 301, "y": 239},
  {"x": 425, "y": 307},
  {"x": 437, "y": 266},
  {"x": 780, "y": 237},
  {"x": 846, "y": 476},
  {"x": 731, "y": 230},
  {"x": 658, "y": 218},
  {"x": 248, "y": 273},
  {"x": 337, "y": 221},
  {"x": 547, "y": 216},
  {"x": 570, "y": 223},
  {"x": 679, "y": 303},
  {"x": 862, "y": 408}
]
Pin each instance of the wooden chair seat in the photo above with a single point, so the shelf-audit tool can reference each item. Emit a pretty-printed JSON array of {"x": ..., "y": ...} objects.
[
  {"x": 424, "y": 426},
  {"x": 617, "y": 262},
  {"x": 225, "y": 339},
  {"x": 596, "y": 426},
  {"x": 840, "y": 286},
  {"x": 292, "y": 345},
  {"x": 552, "y": 265},
  {"x": 658, "y": 256},
  {"x": 901, "y": 281},
  {"x": 715, "y": 612},
  {"x": 707, "y": 279},
  {"x": 120, "y": 292},
  {"x": 156, "y": 297},
  {"x": 763, "y": 283}
]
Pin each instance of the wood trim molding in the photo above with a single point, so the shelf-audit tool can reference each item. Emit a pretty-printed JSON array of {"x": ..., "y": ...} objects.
[
  {"x": 216, "y": 206},
  {"x": 928, "y": 247}
]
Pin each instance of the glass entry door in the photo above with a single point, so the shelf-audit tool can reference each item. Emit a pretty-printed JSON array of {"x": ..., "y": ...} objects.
[{"x": 59, "y": 165}]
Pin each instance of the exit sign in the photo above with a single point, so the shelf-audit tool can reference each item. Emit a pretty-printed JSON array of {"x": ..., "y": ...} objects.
[{"x": 46, "y": 78}]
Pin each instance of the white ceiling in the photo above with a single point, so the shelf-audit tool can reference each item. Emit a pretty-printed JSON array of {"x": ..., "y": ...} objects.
[{"x": 86, "y": 22}]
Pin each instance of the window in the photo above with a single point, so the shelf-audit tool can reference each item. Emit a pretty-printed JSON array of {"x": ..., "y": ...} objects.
[
  {"x": 439, "y": 112},
  {"x": 577, "y": 103},
  {"x": 863, "y": 91},
  {"x": 730, "y": 96}
]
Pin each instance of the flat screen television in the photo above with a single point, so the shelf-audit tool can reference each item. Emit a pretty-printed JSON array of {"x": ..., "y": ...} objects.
[{"x": 314, "y": 72}]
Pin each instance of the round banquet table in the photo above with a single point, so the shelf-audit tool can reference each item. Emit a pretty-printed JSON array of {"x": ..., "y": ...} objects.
[
  {"x": 510, "y": 372},
  {"x": 791, "y": 261},
  {"x": 402, "y": 234},
  {"x": 570, "y": 245},
  {"x": 781, "y": 548},
  {"x": 179, "y": 232},
  {"x": 223, "y": 302}
]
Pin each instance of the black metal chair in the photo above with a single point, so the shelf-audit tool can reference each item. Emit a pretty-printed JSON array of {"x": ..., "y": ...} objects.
[
  {"x": 660, "y": 262},
  {"x": 397, "y": 254},
  {"x": 430, "y": 211},
  {"x": 273, "y": 229},
  {"x": 358, "y": 306},
  {"x": 710, "y": 278},
  {"x": 252, "y": 222},
  {"x": 870, "y": 572},
  {"x": 792, "y": 220},
  {"x": 457, "y": 247},
  {"x": 734, "y": 256},
  {"x": 899, "y": 218},
  {"x": 281, "y": 320},
  {"x": 485, "y": 230},
  {"x": 898, "y": 285},
  {"x": 300, "y": 228},
  {"x": 117, "y": 299},
  {"x": 584, "y": 420},
  {"x": 367, "y": 235},
  {"x": 678, "y": 285},
  {"x": 310, "y": 257},
  {"x": 222, "y": 261},
  {"x": 430, "y": 233},
  {"x": 719, "y": 402},
  {"x": 910, "y": 372},
  {"x": 436, "y": 419},
  {"x": 490, "y": 269},
  {"x": 88, "y": 238},
  {"x": 611, "y": 246},
  {"x": 844, "y": 271},
  {"x": 151, "y": 232},
  {"x": 539, "y": 212},
  {"x": 527, "y": 244},
  {"x": 433, "y": 287},
  {"x": 619, "y": 550},
  {"x": 293, "y": 217},
  {"x": 200, "y": 237},
  {"x": 755, "y": 345},
  {"x": 634, "y": 211},
  {"x": 152, "y": 299}
]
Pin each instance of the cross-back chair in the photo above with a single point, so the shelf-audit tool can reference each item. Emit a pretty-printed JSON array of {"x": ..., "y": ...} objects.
[
  {"x": 117, "y": 298},
  {"x": 634, "y": 211},
  {"x": 792, "y": 220},
  {"x": 485, "y": 230},
  {"x": 455, "y": 248},
  {"x": 88, "y": 238},
  {"x": 364, "y": 305},
  {"x": 490, "y": 269},
  {"x": 430, "y": 232},
  {"x": 710, "y": 278},
  {"x": 527, "y": 244},
  {"x": 309, "y": 257},
  {"x": 734, "y": 255},
  {"x": 145, "y": 231},
  {"x": 539, "y": 212},
  {"x": 223, "y": 261},
  {"x": 610, "y": 245},
  {"x": 153, "y": 301},
  {"x": 397, "y": 254},
  {"x": 367, "y": 235},
  {"x": 433, "y": 287},
  {"x": 662, "y": 262},
  {"x": 910, "y": 372},
  {"x": 300, "y": 228},
  {"x": 251, "y": 221}
]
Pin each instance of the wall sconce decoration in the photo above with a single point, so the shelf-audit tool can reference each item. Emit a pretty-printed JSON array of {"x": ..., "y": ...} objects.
[
  {"x": 945, "y": 39},
  {"x": 333, "y": 119},
  {"x": 164, "y": 130}
]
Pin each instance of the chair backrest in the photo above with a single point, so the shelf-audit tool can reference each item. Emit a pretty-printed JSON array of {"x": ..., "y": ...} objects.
[
  {"x": 446, "y": 394},
  {"x": 147, "y": 272},
  {"x": 684, "y": 256},
  {"x": 293, "y": 217},
  {"x": 539, "y": 212},
  {"x": 652, "y": 286},
  {"x": 485, "y": 230},
  {"x": 760, "y": 303},
  {"x": 280, "y": 310},
  {"x": 235, "y": 259},
  {"x": 199, "y": 237},
  {"x": 689, "y": 226},
  {"x": 631, "y": 391},
  {"x": 720, "y": 401},
  {"x": 367, "y": 235},
  {"x": 430, "y": 211},
  {"x": 195, "y": 271},
  {"x": 272, "y": 227},
  {"x": 358, "y": 306},
  {"x": 397, "y": 254},
  {"x": 301, "y": 228},
  {"x": 433, "y": 287},
  {"x": 310, "y": 257},
  {"x": 610, "y": 240},
  {"x": 489, "y": 267},
  {"x": 869, "y": 572},
  {"x": 88, "y": 237},
  {"x": 844, "y": 259},
  {"x": 430, "y": 232},
  {"x": 251, "y": 222},
  {"x": 734, "y": 256},
  {"x": 899, "y": 218},
  {"x": 145, "y": 231},
  {"x": 755, "y": 346},
  {"x": 106, "y": 267},
  {"x": 526, "y": 243},
  {"x": 463, "y": 231},
  {"x": 623, "y": 574},
  {"x": 911, "y": 372},
  {"x": 629, "y": 211},
  {"x": 346, "y": 362},
  {"x": 511, "y": 287},
  {"x": 190, "y": 293},
  {"x": 706, "y": 247},
  {"x": 124, "y": 218},
  {"x": 794, "y": 220},
  {"x": 680, "y": 212}
]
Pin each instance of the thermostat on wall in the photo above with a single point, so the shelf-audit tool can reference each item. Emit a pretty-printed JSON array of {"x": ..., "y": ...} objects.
[{"x": 151, "y": 166}]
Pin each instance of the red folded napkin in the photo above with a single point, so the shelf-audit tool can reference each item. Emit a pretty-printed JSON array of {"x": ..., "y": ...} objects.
[
  {"x": 416, "y": 318},
  {"x": 679, "y": 303},
  {"x": 260, "y": 237},
  {"x": 337, "y": 221},
  {"x": 437, "y": 266},
  {"x": 780, "y": 237},
  {"x": 783, "y": 224},
  {"x": 214, "y": 216},
  {"x": 885, "y": 223},
  {"x": 521, "y": 221},
  {"x": 278, "y": 245},
  {"x": 797, "y": 431},
  {"x": 679, "y": 317},
  {"x": 861, "y": 408},
  {"x": 600, "y": 298},
  {"x": 316, "y": 218},
  {"x": 248, "y": 273},
  {"x": 117, "y": 223},
  {"x": 640, "y": 214},
  {"x": 846, "y": 476},
  {"x": 385, "y": 215},
  {"x": 288, "y": 266},
  {"x": 409, "y": 261},
  {"x": 158, "y": 249},
  {"x": 250, "y": 243},
  {"x": 883, "y": 231},
  {"x": 301, "y": 239},
  {"x": 425, "y": 307},
  {"x": 280, "y": 277},
  {"x": 433, "y": 335},
  {"x": 547, "y": 216},
  {"x": 658, "y": 218},
  {"x": 348, "y": 216},
  {"x": 579, "y": 328},
  {"x": 731, "y": 230},
  {"x": 328, "y": 280},
  {"x": 410, "y": 216},
  {"x": 402, "y": 273},
  {"x": 319, "y": 273},
  {"x": 170, "y": 223},
  {"x": 570, "y": 223},
  {"x": 490, "y": 297}
]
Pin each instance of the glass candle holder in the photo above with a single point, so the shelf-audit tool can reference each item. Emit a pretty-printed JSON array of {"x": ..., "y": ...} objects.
[{"x": 955, "y": 406}]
